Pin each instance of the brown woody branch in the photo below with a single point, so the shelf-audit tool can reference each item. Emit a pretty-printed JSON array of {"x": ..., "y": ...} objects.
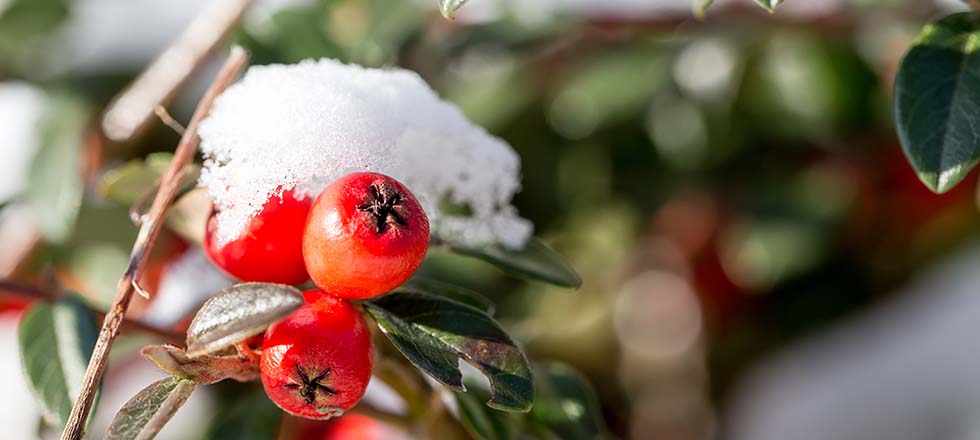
[
  {"x": 29, "y": 293},
  {"x": 149, "y": 230}
]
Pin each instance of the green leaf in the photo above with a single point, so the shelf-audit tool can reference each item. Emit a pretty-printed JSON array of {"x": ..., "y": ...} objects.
[
  {"x": 238, "y": 313},
  {"x": 56, "y": 342},
  {"x": 770, "y": 5},
  {"x": 148, "y": 411},
  {"x": 435, "y": 332},
  {"x": 253, "y": 417},
  {"x": 449, "y": 7},
  {"x": 536, "y": 261},
  {"x": 937, "y": 100},
  {"x": 134, "y": 180},
  {"x": 25, "y": 27},
  {"x": 451, "y": 291},
  {"x": 481, "y": 422},
  {"x": 55, "y": 185},
  {"x": 565, "y": 403}
]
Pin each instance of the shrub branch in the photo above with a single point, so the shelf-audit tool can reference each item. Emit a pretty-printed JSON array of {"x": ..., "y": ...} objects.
[{"x": 170, "y": 182}]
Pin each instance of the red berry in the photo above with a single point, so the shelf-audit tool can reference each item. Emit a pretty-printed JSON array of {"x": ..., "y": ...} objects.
[
  {"x": 317, "y": 361},
  {"x": 353, "y": 427},
  {"x": 366, "y": 235},
  {"x": 271, "y": 247}
]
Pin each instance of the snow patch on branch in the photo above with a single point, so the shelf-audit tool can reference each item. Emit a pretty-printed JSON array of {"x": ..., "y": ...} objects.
[{"x": 304, "y": 125}]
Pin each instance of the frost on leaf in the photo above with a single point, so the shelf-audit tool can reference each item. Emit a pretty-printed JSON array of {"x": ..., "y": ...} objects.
[{"x": 304, "y": 125}]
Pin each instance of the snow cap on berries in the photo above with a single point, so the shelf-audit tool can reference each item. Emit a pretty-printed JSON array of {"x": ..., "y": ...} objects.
[{"x": 306, "y": 124}]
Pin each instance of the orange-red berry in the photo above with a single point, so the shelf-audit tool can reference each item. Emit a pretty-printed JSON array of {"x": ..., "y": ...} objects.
[
  {"x": 316, "y": 362},
  {"x": 271, "y": 247},
  {"x": 366, "y": 234}
]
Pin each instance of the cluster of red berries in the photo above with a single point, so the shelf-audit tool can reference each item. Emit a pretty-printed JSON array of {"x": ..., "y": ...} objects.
[{"x": 364, "y": 235}]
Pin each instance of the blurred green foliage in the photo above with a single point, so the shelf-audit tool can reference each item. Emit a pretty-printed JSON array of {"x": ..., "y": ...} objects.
[{"x": 752, "y": 155}]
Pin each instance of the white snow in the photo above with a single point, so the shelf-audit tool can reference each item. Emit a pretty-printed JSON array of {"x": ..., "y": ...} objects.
[{"x": 304, "y": 125}]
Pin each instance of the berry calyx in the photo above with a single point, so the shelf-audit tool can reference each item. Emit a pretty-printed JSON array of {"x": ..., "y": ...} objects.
[
  {"x": 366, "y": 234},
  {"x": 316, "y": 362},
  {"x": 270, "y": 249}
]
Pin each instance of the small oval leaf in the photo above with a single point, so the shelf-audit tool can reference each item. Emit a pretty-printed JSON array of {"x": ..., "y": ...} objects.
[
  {"x": 238, "y": 313},
  {"x": 536, "y": 261},
  {"x": 56, "y": 342},
  {"x": 203, "y": 370},
  {"x": 769, "y": 5},
  {"x": 148, "y": 411},
  {"x": 449, "y": 7},
  {"x": 937, "y": 99},
  {"x": 435, "y": 332}
]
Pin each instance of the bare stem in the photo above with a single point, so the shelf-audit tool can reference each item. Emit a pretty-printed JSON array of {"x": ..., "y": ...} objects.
[
  {"x": 133, "y": 108},
  {"x": 29, "y": 292},
  {"x": 170, "y": 182}
]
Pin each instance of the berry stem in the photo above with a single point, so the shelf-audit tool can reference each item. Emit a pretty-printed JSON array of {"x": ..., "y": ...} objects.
[{"x": 75, "y": 428}]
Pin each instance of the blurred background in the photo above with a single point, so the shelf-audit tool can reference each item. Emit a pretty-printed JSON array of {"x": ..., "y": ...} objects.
[{"x": 760, "y": 262}]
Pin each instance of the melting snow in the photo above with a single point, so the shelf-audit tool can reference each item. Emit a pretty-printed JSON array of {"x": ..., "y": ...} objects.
[{"x": 304, "y": 125}]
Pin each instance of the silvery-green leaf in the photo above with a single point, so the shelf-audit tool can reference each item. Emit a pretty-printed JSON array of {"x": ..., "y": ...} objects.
[
  {"x": 770, "y": 5},
  {"x": 238, "y": 313},
  {"x": 205, "y": 369},
  {"x": 142, "y": 417},
  {"x": 448, "y": 7}
]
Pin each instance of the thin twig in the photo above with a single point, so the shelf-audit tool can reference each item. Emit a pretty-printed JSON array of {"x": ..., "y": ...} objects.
[
  {"x": 31, "y": 293},
  {"x": 75, "y": 428},
  {"x": 168, "y": 120},
  {"x": 157, "y": 83},
  {"x": 973, "y": 4}
]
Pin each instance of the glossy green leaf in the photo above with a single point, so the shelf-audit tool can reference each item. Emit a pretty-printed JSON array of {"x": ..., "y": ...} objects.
[
  {"x": 252, "y": 417},
  {"x": 565, "y": 404},
  {"x": 937, "y": 100},
  {"x": 481, "y": 422},
  {"x": 435, "y": 332},
  {"x": 536, "y": 261},
  {"x": 56, "y": 342},
  {"x": 451, "y": 291},
  {"x": 238, "y": 313},
  {"x": 770, "y": 5},
  {"x": 148, "y": 411},
  {"x": 449, "y": 7},
  {"x": 55, "y": 186}
]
